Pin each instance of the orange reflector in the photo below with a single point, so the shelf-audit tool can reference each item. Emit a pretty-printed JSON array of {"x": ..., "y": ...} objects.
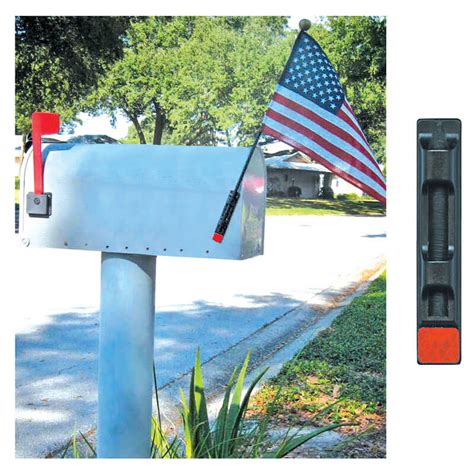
[{"x": 438, "y": 346}]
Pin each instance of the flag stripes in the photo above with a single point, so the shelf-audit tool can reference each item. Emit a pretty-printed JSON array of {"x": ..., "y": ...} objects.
[
  {"x": 329, "y": 165},
  {"x": 326, "y": 135},
  {"x": 339, "y": 121},
  {"x": 335, "y": 140},
  {"x": 319, "y": 151}
]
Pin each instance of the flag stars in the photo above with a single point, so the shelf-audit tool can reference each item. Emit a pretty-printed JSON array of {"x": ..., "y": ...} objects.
[{"x": 311, "y": 75}]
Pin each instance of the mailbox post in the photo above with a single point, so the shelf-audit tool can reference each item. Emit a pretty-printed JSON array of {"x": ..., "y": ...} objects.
[
  {"x": 126, "y": 333},
  {"x": 133, "y": 203}
]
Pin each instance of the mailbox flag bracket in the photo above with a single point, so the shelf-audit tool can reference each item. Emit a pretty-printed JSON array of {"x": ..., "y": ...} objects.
[
  {"x": 439, "y": 241},
  {"x": 39, "y": 202}
]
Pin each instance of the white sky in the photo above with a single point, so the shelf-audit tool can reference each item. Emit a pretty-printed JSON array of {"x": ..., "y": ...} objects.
[{"x": 100, "y": 125}]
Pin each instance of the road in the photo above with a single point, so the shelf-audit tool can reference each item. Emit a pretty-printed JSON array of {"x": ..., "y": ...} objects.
[{"x": 206, "y": 303}]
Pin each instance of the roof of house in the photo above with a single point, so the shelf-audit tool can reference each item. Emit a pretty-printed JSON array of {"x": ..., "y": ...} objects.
[{"x": 295, "y": 161}]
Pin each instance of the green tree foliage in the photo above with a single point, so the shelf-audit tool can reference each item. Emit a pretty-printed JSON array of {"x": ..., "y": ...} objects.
[
  {"x": 356, "y": 47},
  {"x": 195, "y": 80},
  {"x": 59, "y": 59}
]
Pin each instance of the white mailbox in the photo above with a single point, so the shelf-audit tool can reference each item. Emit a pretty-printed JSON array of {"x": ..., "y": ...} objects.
[{"x": 145, "y": 199}]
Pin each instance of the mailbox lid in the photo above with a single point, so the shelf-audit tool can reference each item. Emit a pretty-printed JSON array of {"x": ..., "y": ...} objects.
[{"x": 146, "y": 199}]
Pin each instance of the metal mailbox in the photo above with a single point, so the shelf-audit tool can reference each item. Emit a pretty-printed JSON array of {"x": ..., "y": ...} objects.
[{"x": 145, "y": 200}]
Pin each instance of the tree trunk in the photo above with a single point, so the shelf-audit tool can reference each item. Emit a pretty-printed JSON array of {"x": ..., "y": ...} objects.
[
  {"x": 139, "y": 129},
  {"x": 160, "y": 121}
]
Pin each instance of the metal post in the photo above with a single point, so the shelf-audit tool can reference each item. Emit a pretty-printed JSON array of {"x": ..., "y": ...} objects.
[{"x": 126, "y": 335}]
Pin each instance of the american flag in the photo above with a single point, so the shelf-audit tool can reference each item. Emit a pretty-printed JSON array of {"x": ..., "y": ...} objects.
[{"x": 310, "y": 112}]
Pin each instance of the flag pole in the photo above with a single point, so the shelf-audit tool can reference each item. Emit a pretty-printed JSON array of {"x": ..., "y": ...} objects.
[{"x": 234, "y": 195}]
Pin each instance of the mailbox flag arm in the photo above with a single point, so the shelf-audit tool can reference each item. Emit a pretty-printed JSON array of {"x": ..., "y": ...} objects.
[
  {"x": 42, "y": 123},
  {"x": 233, "y": 198}
]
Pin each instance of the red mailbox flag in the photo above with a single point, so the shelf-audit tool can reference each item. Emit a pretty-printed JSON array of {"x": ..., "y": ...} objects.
[{"x": 42, "y": 123}]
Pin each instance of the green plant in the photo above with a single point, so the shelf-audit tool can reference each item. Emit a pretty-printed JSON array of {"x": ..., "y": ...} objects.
[{"x": 231, "y": 435}]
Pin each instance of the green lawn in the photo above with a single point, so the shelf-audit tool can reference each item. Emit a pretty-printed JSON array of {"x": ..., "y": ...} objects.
[
  {"x": 340, "y": 375},
  {"x": 322, "y": 207}
]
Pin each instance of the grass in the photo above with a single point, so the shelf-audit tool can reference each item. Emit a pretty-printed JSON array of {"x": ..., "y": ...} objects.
[
  {"x": 355, "y": 206},
  {"x": 340, "y": 375}
]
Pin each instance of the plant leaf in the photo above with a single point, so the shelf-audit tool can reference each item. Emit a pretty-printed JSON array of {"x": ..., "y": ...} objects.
[
  {"x": 293, "y": 442},
  {"x": 234, "y": 409},
  {"x": 203, "y": 442},
  {"x": 220, "y": 443}
]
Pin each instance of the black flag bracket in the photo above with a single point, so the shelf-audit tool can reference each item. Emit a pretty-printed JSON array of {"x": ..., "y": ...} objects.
[{"x": 439, "y": 241}]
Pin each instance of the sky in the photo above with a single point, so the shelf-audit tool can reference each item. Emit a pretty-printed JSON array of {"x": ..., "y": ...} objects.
[{"x": 100, "y": 125}]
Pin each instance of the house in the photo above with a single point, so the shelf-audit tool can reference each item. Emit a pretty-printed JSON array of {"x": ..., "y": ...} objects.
[{"x": 291, "y": 173}]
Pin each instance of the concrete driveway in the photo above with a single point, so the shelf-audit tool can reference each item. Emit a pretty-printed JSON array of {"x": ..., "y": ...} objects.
[{"x": 206, "y": 303}]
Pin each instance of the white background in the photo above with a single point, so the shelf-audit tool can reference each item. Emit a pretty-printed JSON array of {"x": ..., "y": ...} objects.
[{"x": 430, "y": 74}]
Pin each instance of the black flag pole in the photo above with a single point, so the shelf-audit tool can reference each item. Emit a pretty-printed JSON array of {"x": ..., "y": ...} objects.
[{"x": 234, "y": 195}]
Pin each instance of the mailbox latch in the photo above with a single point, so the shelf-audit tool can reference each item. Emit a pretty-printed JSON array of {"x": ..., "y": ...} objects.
[{"x": 38, "y": 205}]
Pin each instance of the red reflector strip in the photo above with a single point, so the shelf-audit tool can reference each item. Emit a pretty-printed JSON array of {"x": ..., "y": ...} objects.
[
  {"x": 217, "y": 238},
  {"x": 439, "y": 346}
]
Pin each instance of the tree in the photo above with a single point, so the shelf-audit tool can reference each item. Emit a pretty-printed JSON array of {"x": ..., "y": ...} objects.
[
  {"x": 59, "y": 60},
  {"x": 195, "y": 80}
]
